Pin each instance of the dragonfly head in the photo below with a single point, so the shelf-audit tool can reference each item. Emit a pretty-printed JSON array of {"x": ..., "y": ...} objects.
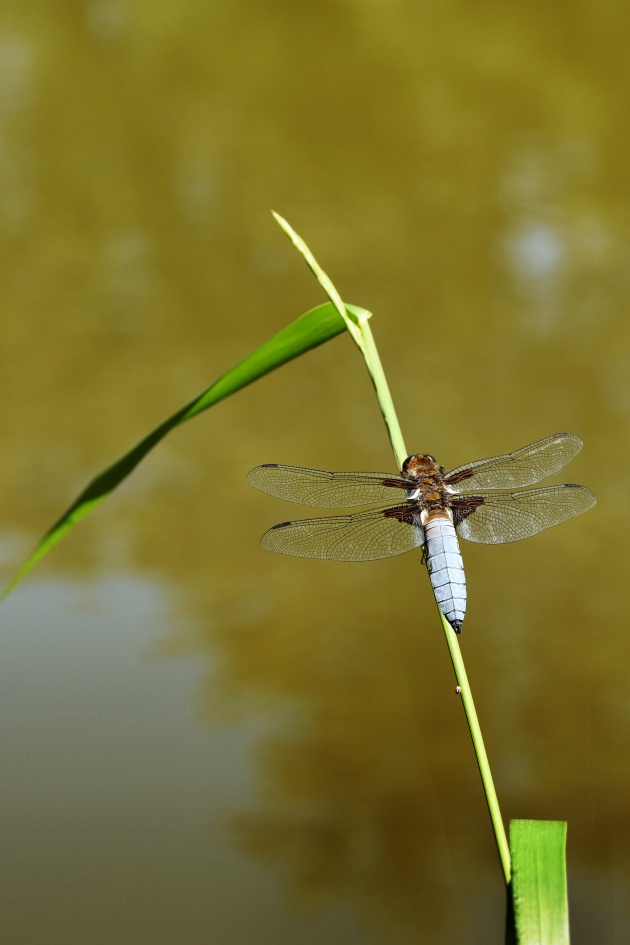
[{"x": 420, "y": 464}]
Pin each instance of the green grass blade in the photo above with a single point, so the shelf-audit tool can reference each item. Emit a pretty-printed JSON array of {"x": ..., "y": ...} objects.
[
  {"x": 359, "y": 330},
  {"x": 324, "y": 280},
  {"x": 452, "y": 641},
  {"x": 539, "y": 882},
  {"x": 310, "y": 330}
]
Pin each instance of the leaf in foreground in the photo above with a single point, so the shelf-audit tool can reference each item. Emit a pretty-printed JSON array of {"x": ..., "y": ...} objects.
[
  {"x": 310, "y": 330},
  {"x": 539, "y": 882}
]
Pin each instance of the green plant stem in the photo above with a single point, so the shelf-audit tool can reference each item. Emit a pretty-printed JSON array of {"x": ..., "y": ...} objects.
[
  {"x": 384, "y": 397},
  {"x": 457, "y": 659},
  {"x": 361, "y": 334}
]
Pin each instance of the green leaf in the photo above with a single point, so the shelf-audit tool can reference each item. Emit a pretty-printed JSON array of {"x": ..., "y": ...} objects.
[
  {"x": 539, "y": 882},
  {"x": 310, "y": 330}
]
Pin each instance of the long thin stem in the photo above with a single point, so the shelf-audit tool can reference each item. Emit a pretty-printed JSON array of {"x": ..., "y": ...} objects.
[
  {"x": 361, "y": 334},
  {"x": 492, "y": 800},
  {"x": 385, "y": 402},
  {"x": 452, "y": 641},
  {"x": 389, "y": 415}
]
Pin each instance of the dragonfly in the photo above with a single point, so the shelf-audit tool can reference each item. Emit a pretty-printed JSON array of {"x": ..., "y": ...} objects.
[{"x": 427, "y": 508}]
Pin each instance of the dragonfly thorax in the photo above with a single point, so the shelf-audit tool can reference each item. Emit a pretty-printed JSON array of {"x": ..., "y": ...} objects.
[{"x": 428, "y": 481}]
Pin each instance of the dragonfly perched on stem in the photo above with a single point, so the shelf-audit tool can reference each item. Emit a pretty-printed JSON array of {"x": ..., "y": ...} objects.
[{"x": 430, "y": 509}]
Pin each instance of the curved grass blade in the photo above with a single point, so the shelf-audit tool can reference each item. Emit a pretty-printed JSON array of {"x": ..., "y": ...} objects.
[
  {"x": 324, "y": 280},
  {"x": 310, "y": 330},
  {"x": 539, "y": 882},
  {"x": 361, "y": 333}
]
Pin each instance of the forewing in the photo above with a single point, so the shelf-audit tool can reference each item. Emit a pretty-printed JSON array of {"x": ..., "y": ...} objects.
[
  {"x": 500, "y": 517},
  {"x": 521, "y": 468},
  {"x": 323, "y": 489},
  {"x": 365, "y": 536}
]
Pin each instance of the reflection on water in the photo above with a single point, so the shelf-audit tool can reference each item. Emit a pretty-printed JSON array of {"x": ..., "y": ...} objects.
[
  {"x": 554, "y": 240},
  {"x": 113, "y": 793},
  {"x": 461, "y": 174}
]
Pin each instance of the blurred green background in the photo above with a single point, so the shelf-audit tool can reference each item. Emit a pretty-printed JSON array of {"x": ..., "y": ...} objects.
[{"x": 203, "y": 742}]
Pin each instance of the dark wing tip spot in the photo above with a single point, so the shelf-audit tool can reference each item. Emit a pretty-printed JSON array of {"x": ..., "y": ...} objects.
[
  {"x": 280, "y": 525},
  {"x": 269, "y": 465}
]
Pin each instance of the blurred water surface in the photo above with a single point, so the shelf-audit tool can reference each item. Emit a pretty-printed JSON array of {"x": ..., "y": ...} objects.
[{"x": 203, "y": 742}]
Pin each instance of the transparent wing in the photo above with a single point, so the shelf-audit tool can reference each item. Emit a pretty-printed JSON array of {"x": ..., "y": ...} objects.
[
  {"x": 329, "y": 490},
  {"x": 509, "y": 516},
  {"x": 365, "y": 536},
  {"x": 521, "y": 468}
]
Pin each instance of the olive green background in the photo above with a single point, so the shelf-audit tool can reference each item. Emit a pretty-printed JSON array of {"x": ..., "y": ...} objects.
[{"x": 202, "y": 742}]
